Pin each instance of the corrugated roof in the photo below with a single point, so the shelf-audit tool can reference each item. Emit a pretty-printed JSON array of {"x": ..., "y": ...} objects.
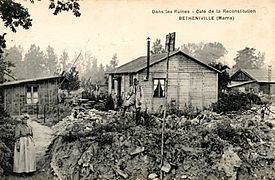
[
  {"x": 28, "y": 80},
  {"x": 260, "y": 75},
  {"x": 140, "y": 63}
]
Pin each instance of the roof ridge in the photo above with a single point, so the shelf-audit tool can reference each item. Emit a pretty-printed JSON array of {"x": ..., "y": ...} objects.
[
  {"x": 155, "y": 58},
  {"x": 30, "y": 79}
]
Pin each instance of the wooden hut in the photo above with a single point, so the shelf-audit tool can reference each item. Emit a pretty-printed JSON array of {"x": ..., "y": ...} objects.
[
  {"x": 190, "y": 81},
  {"x": 31, "y": 95},
  {"x": 253, "y": 80}
]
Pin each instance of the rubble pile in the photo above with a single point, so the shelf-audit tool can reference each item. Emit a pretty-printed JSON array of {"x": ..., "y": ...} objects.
[{"x": 103, "y": 145}]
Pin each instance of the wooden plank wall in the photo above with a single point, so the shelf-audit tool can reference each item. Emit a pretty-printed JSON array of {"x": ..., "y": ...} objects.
[
  {"x": 265, "y": 88},
  {"x": 255, "y": 86},
  {"x": 15, "y": 97},
  {"x": 189, "y": 82},
  {"x": 272, "y": 89}
]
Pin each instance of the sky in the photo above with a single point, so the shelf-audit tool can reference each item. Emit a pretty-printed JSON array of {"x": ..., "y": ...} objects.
[{"x": 122, "y": 27}]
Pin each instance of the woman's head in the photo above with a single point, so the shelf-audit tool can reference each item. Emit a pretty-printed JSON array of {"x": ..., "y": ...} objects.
[{"x": 24, "y": 118}]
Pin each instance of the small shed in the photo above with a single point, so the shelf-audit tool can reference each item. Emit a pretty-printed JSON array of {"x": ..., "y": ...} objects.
[
  {"x": 253, "y": 80},
  {"x": 190, "y": 81},
  {"x": 31, "y": 95}
]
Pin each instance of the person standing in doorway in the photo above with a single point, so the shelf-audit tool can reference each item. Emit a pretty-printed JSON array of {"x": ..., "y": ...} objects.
[
  {"x": 134, "y": 98},
  {"x": 24, "y": 149}
]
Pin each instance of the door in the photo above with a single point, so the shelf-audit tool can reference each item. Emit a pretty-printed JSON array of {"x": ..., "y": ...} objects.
[{"x": 119, "y": 91}]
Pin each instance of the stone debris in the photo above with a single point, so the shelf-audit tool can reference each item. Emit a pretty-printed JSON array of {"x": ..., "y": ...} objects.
[
  {"x": 137, "y": 151},
  {"x": 153, "y": 176},
  {"x": 228, "y": 162},
  {"x": 121, "y": 173},
  {"x": 166, "y": 167},
  {"x": 103, "y": 145}
]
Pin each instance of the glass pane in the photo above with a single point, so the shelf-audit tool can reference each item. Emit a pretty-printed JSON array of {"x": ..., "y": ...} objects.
[
  {"x": 35, "y": 100},
  {"x": 29, "y": 89},
  {"x": 161, "y": 89},
  {"x": 35, "y": 88},
  {"x": 35, "y": 95},
  {"x": 29, "y": 95},
  {"x": 29, "y": 100},
  {"x": 155, "y": 88},
  {"x": 161, "y": 81}
]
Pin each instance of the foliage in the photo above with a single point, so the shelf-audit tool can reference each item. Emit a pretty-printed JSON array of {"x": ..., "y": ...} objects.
[
  {"x": 54, "y": 114},
  {"x": 110, "y": 103},
  {"x": 208, "y": 53},
  {"x": 157, "y": 47},
  {"x": 2, "y": 43},
  {"x": 235, "y": 101},
  {"x": 50, "y": 60},
  {"x": 34, "y": 61},
  {"x": 7, "y": 141},
  {"x": 63, "y": 61},
  {"x": 223, "y": 77},
  {"x": 113, "y": 63},
  {"x": 60, "y": 6},
  {"x": 87, "y": 85},
  {"x": 247, "y": 58},
  {"x": 189, "y": 111},
  {"x": 88, "y": 88},
  {"x": 88, "y": 68},
  {"x": 14, "y": 56},
  {"x": 14, "y": 15},
  {"x": 5, "y": 69},
  {"x": 101, "y": 74},
  {"x": 72, "y": 81}
]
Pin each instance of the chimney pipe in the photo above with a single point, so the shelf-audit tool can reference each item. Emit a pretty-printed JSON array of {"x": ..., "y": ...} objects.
[{"x": 148, "y": 57}]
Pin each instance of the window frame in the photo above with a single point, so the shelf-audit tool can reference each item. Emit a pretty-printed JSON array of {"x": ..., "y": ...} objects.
[
  {"x": 164, "y": 86},
  {"x": 33, "y": 97}
]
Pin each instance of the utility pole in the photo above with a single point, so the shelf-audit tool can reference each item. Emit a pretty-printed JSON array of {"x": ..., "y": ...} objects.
[{"x": 169, "y": 46}]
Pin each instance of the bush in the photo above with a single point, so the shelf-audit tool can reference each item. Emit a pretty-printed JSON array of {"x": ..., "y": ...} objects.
[
  {"x": 189, "y": 111},
  {"x": 7, "y": 141},
  {"x": 235, "y": 101}
]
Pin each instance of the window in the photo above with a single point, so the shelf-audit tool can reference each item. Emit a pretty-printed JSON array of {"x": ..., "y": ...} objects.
[
  {"x": 32, "y": 94},
  {"x": 159, "y": 87}
]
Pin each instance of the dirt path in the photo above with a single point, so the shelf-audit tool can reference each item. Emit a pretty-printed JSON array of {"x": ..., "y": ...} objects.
[{"x": 42, "y": 137}]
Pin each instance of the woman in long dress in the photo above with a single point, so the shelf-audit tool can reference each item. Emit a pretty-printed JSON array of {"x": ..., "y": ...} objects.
[{"x": 24, "y": 150}]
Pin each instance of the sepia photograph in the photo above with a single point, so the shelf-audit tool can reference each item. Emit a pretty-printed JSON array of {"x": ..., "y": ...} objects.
[{"x": 137, "y": 89}]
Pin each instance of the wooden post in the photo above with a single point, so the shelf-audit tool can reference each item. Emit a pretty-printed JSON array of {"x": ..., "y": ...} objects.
[
  {"x": 44, "y": 113},
  {"x": 165, "y": 113},
  {"x": 58, "y": 112},
  {"x": 170, "y": 45},
  {"x": 37, "y": 110}
]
